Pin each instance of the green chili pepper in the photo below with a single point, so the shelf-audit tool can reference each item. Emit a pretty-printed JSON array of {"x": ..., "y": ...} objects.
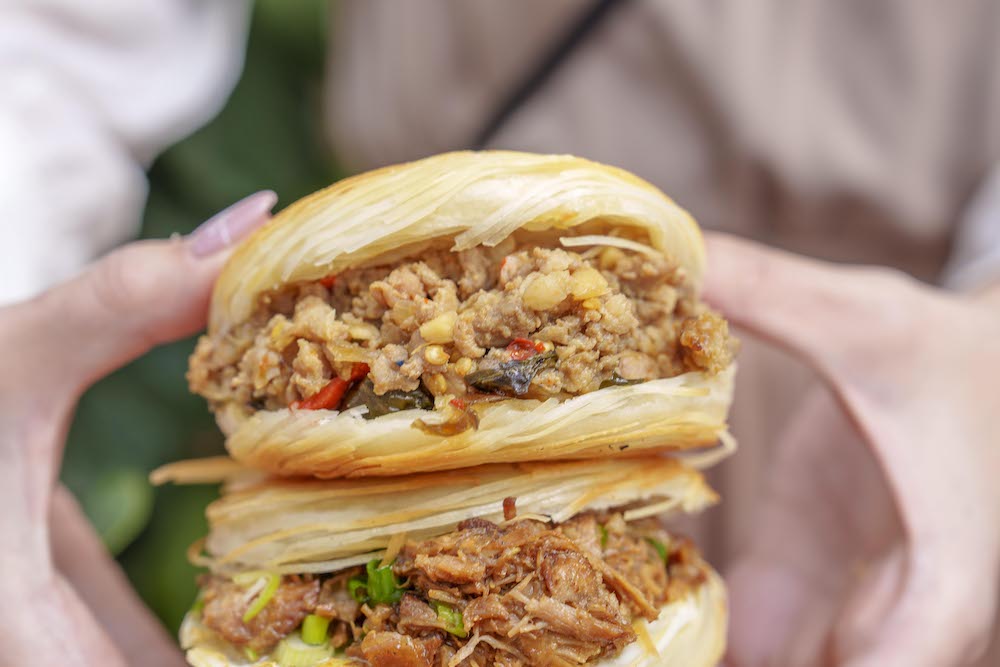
[
  {"x": 511, "y": 378},
  {"x": 394, "y": 400}
]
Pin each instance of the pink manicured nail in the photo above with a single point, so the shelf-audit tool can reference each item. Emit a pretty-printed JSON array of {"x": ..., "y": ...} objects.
[{"x": 228, "y": 226}]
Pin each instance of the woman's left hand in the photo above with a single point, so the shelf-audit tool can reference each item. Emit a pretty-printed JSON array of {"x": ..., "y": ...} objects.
[
  {"x": 853, "y": 562},
  {"x": 63, "y": 599}
]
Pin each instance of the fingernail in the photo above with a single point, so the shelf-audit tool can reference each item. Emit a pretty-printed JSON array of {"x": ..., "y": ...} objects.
[{"x": 230, "y": 225}]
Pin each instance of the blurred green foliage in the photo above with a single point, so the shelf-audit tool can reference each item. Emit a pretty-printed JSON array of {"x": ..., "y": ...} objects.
[{"x": 269, "y": 135}]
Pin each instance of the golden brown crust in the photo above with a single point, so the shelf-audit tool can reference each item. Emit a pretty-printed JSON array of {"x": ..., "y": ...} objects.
[
  {"x": 308, "y": 525},
  {"x": 673, "y": 414},
  {"x": 474, "y": 198},
  {"x": 467, "y": 199}
]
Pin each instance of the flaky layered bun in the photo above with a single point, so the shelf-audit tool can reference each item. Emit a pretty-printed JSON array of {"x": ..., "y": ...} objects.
[
  {"x": 460, "y": 201},
  {"x": 316, "y": 526},
  {"x": 295, "y": 526}
]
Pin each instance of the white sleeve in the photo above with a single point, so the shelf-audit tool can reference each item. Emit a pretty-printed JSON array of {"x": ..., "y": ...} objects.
[
  {"x": 90, "y": 92},
  {"x": 975, "y": 260}
]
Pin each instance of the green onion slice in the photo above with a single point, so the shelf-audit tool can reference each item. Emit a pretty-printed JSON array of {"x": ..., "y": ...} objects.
[
  {"x": 603, "y": 532},
  {"x": 660, "y": 547},
  {"x": 452, "y": 618},
  {"x": 292, "y": 651},
  {"x": 378, "y": 586},
  {"x": 314, "y": 629},
  {"x": 199, "y": 604},
  {"x": 270, "y": 588}
]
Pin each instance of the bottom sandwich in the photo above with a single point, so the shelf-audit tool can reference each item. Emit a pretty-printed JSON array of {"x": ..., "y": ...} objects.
[{"x": 554, "y": 564}]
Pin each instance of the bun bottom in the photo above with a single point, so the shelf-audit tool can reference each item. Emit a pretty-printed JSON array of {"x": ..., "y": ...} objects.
[
  {"x": 675, "y": 414},
  {"x": 690, "y": 632}
]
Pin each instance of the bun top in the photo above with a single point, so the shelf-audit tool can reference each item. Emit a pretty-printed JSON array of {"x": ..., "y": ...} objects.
[
  {"x": 308, "y": 525},
  {"x": 466, "y": 199}
]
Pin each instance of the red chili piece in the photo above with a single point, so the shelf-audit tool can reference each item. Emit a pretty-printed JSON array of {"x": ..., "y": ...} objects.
[
  {"x": 522, "y": 348},
  {"x": 359, "y": 371},
  {"x": 330, "y": 396},
  {"x": 329, "y": 281},
  {"x": 509, "y": 508},
  {"x": 458, "y": 403}
]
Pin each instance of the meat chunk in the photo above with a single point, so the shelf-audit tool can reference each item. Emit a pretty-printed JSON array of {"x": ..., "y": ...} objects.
[
  {"x": 532, "y": 593},
  {"x": 392, "y": 649},
  {"x": 537, "y": 586},
  {"x": 416, "y": 616},
  {"x": 452, "y": 569},
  {"x": 335, "y": 602},
  {"x": 435, "y": 320},
  {"x": 226, "y": 602}
]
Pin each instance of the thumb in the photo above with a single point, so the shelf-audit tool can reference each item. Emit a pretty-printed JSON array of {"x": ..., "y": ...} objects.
[
  {"x": 836, "y": 318},
  {"x": 138, "y": 296}
]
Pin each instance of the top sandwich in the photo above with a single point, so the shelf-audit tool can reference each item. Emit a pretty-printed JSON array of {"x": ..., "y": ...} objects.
[{"x": 463, "y": 309}]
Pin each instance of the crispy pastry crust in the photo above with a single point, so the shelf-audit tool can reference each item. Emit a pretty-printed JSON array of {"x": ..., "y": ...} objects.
[
  {"x": 323, "y": 526},
  {"x": 296, "y": 526},
  {"x": 465, "y": 199}
]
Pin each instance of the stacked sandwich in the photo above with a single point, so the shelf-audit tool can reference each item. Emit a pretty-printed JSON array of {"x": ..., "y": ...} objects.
[{"x": 459, "y": 395}]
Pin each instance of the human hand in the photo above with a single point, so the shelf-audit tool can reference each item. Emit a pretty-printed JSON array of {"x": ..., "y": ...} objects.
[
  {"x": 886, "y": 554},
  {"x": 63, "y": 599}
]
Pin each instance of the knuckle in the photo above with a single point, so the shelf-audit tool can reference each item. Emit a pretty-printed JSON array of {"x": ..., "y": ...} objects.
[{"x": 121, "y": 281}]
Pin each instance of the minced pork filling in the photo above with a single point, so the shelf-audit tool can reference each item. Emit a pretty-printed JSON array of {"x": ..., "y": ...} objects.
[
  {"x": 520, "y": 593},
  {"x": 461, "y": 327}
]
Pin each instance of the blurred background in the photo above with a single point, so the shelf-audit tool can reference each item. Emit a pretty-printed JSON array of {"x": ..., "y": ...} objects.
[{"x": 144, "y": 416}]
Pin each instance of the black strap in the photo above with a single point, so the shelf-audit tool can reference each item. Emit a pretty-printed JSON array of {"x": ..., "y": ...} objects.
[{"x": 537, "y": 76}]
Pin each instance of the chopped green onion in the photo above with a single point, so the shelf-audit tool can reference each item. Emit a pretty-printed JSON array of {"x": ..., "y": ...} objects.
[
  {"x": 660, "y": 547},
  {"x": 603, "y": 532},
  {"x": 250, "y": 653},
  {"x": 270, "y": 588},
  {"x": 358, "y": 588},
  {"x": 292, "y": 651},
  {"x": 199, "y": 604},
  {"x": 452, "y": 618},
  {"x": 379, "y": 585},
  {"x": 314, "y": 629}
]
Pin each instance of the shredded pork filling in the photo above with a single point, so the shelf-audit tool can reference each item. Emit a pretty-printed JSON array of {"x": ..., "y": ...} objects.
[
  {"x": 451, "y": 328},
  {"x": 521, "y": 593}
]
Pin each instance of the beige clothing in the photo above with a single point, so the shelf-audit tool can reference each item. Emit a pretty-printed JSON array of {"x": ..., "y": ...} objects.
[
  {"x": 90, "y": 93},
  {"x": 852, "y": 130}
]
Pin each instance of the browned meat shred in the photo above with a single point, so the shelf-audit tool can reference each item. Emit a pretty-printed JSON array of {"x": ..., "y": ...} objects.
[
  {"x": 429, "y": 323},
  {"x": 392, "y": 649},
  {"x": 226, "y": 603},
  {"x": 540, "y": 594}
]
